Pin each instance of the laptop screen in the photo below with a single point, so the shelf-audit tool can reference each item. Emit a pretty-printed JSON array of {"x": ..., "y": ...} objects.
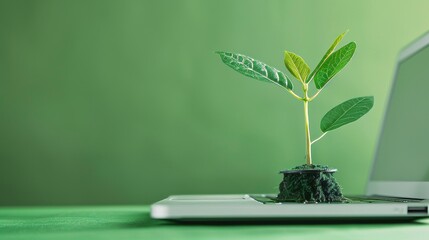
[{"x": 403, "y": 151}]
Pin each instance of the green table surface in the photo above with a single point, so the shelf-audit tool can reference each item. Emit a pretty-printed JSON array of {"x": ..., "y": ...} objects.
[{"x": 134, "y": 222}]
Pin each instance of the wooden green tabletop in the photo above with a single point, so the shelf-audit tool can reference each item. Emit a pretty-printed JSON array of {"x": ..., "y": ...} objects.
[{"x": 133, "y": 222}]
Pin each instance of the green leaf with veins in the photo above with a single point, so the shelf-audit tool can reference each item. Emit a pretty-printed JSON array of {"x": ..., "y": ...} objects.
[
  {"x": 296, "y": 66},
  {"x": 333, "y": 64},
  {"x": 327, "y": 54},
  {"x": 255, "y": 69},
  {"x": 346, "y": 112}
]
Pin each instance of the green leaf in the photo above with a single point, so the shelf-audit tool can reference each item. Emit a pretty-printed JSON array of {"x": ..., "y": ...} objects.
[
  {"x": 346, "y": 112},
  {"x": 335, "y": 62},
  {"x": 327, "y": 54},
  {"x": 255, "y": 69},
  {"x": 296, "y": 66}
]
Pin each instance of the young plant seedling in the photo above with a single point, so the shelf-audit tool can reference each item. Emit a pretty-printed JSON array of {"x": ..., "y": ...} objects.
[{"x": 309, "y": 182}]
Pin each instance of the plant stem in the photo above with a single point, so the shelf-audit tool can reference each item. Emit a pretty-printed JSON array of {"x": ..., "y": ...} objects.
[
  {"x": 317, "y": 139},
  {"x": 295, "y": 95},
  {"x": 307, "y": 126},
  {"x": 315, "y": 95}
]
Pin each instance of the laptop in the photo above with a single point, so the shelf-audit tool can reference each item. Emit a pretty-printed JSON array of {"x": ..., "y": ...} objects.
[{"x": 398, "y": 186}]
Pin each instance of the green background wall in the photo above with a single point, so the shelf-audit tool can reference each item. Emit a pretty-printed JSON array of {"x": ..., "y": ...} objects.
[{"x": 125, "y": 102}]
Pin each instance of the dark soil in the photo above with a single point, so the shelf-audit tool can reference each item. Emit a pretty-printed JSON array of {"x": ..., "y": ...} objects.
[{"x": 310, "y": 184}]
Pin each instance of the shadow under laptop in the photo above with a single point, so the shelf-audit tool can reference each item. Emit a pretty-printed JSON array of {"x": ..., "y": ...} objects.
[{"x": 147, "y": 222}]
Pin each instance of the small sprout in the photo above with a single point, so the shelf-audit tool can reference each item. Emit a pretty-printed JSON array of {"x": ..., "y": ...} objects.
[{"x": 330, "y": 65}]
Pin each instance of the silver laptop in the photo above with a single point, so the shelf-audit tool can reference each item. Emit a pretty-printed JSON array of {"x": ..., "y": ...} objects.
[{"x": 398, "y": 187}]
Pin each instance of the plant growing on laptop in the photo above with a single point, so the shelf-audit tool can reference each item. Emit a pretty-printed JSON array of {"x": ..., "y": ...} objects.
[{"x": 308, "y": 182}]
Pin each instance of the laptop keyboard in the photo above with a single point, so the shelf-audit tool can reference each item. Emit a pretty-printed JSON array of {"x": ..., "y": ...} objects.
[
  {"x": 272, "y": 199},
  {"x": 382, "y": 199}
]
